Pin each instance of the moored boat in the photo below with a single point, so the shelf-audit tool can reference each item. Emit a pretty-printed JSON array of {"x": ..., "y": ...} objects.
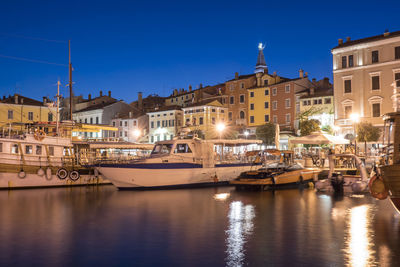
[
  {"x": 184, "y": 163},
  {"x": 284, "y": 173}
]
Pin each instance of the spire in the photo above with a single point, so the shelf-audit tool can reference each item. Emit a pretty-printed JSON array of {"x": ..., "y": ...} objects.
[{"x": 261, "y": 66}]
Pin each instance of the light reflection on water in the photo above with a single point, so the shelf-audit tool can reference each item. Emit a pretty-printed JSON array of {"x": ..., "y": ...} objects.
[
  {"x": 200, "y": 227},
  {"x": 240, "y": 226},
  {"x": 358, "y": 245}
]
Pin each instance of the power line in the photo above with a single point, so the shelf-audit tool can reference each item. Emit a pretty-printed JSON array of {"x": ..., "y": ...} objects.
[
  {"x": 33, "y": 60},
  {"x": 33, "y": 38}
]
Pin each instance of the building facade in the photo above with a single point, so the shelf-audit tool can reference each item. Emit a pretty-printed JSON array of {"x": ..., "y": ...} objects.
[
  {"x": 165, "y": 123},
  {"x": 204, "y": 117},
  {"x": 132, "y": 127},
  {"x": 365, "y": 73},
  {"x": 21, "y": 109}
]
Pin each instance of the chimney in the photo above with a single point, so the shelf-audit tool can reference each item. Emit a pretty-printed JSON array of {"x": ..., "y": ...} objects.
[
  {"x": 4, "y": 97},
  {"x": 101, "y": 93},
  {"x": 16, "y": 98},
  {"x": 340, "y": 41},
  {"x": 44, "y": 100},
  {"x": 306, "y": 74},
  {"x": 301, "y": 73},
  {"x": 140, "y": 100},
  {"x": 312, "y": 91},
  {"x": 89, "y": 97},
  {"x": 130, "y": 114},
  {"x": 274, "y": 73},
  {"x": 326, "y": 82},
  {"x": 314, "y": 80},
  {"x": 175, "y": 92},
  {"x": 236, "y": 75},
  {"x": 190, "y": 88},
  {"x": 201, "y": 85},
  {"x": 109, "y": 93},
  {"x": 348, "y": 39},
  {"x": 386, "y": 33}
]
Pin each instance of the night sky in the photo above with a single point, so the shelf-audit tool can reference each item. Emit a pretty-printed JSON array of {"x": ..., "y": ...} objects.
[{"x": 150, "y": 46}]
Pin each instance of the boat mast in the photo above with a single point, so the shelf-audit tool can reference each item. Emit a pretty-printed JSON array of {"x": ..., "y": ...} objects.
[
  {"x": 70, "y": 80},
  {"x": 58, "y": 105}
]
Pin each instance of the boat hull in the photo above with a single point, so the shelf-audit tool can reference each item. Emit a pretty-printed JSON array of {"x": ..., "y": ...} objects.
[
  {"x": 391, "y": 178},
  {"x": 165, "y": 176}
]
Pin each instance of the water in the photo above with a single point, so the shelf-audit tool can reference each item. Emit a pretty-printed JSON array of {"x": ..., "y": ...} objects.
[{"x": 100, "y": 226}]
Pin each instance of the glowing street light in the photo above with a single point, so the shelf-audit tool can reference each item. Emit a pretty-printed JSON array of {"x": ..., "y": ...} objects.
[
  {"x": 246, "y": 134},
  {"x": 220, "y": 128},
  {"x": 355, "y": 117},
  {"x": 136, "y": 133}
]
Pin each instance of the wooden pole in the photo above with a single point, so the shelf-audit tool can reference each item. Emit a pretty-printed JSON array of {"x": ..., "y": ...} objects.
[{"x": 70, "y": 80}]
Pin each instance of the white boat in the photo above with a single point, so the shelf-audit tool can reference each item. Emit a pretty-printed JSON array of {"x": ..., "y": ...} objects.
[{"x": 185, "y": 163}]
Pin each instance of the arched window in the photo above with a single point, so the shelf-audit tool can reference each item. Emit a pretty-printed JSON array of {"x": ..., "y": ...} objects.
[{"x": 242, "y": 114}]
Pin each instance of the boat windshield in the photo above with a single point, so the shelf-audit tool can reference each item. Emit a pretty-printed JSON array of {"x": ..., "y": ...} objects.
[
  {"x": 294, "y": 167},
  {"x": 161, "y": 149}
]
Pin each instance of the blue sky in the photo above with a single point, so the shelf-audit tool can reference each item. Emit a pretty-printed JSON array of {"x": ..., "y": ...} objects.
[{"x": 153, "y": 47}]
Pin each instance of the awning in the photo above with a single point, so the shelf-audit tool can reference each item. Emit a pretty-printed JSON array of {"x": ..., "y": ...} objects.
[
  {"x": 93, "y": 128},
  {"x": 120, "y": 145},
  {"x": 319, "y": 138}
]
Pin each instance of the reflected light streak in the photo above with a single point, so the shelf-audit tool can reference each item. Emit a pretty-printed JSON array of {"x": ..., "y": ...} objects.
[
  {"x": 359, "y": 238},
  {"x": 240, "y": 226},
  {"x": 221, "y": 196}
]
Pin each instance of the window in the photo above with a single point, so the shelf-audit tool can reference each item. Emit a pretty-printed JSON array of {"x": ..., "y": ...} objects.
[
  {"x": 152, "y": 139},
  {"x": 351, "y": 61},
  {"x": 50, "y": 117},
  {"x": 152, "y": 124},
  {"x": 14, "y": 149},
  {"x": 375, "y": 82},
  {"x": 287, "y": 103},
  {"x": 231, "y": 100},
  {"x": 1, "y": 147},
  {"x": 327, "y": 101},
  {"x": 126, "y": 123},
  {"x": 344, "y": 62},
  {"x": 305, "y": 103},
  {"x": 266, "y": 92},
  {"x": 251, "y": 94},
  {"x": 274, "y": 105},
  {"x": 85, "y": 120},
  {"x": 275, "y": 119},
  {"x": 172, "y": 100},
  {"x": 194, "y": 121},
  {"x": 251, "y": 106},
  {"x": 241, "y": 115},
  {"x": 10, "y": 114},
  {"x": 173, "y": 122},
  {"x": 242, "y": 85},
  {"x": 91, "y": 121},
  {"x": 251, "y": 119},
  {"x": 182, "y": 148},
  {"x": 315, "y": 102},
  {"x": 266, "y": 118},
  {"x": 51, "y": 150},
  {"x": 397, "y": 52},
  {"x": 28, "y": 149},
  {"x": 230, "y": 116},
  {"x": 266, "y": 105},
  {"x": 158, "y": 124},
  {"x": 38, "y": 150},
  {"x": 213, "y": 120},
  {"x": 320, "y": 101},
  {"x": 288, "y": 118},
  {"x": 213, "y": 110},
  {"x": 120, "y": 123},
  {"x": 376, "y": 110},
  {"x": 347, "y": 111},
  {"x": 375, "y": 56},
  {"x": 287, "y": 88},
  {"x": 274, "y": 91},
  {"x": 222, "y": 111},
  {"x": 30, "y": 116},
  {"x": 265, "y": 82},
  {"x": 397, "y": 79},
  {"x": 232, "y": 87},
  {"x": 201, "y": 121},
  {"x": 97, "y": 120},
  {"x": 134, "y": 123},
  {"x": 347, "y": 86}
]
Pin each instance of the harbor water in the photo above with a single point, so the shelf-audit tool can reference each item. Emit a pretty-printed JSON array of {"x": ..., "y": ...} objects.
[{"x": 101, "y": 226}]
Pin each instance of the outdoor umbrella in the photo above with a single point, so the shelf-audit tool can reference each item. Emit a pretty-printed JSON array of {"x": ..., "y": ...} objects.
[{"x": 319, "y": 138}]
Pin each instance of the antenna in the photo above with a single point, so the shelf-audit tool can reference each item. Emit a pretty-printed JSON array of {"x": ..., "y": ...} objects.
[{"x": 58, "y": 104}]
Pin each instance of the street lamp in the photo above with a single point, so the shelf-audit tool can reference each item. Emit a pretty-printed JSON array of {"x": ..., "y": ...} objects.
[
  {"x": 246, "y": 134},
  {"x": 355, "y": 118},
  {"x": 220, "y": 128},
  {"x": 136, "y": 133}
]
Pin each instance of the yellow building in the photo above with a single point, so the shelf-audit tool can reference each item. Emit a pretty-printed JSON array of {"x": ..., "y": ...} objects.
[
  {"x": 204, "y": 116},
  {"x": 320, "y": 103},
  {"x": 259, "y": 99},
  {"x": 20, "y": 109}
]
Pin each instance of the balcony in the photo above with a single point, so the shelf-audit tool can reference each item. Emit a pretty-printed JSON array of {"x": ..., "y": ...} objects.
[{"x": 241, "y": 122}]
